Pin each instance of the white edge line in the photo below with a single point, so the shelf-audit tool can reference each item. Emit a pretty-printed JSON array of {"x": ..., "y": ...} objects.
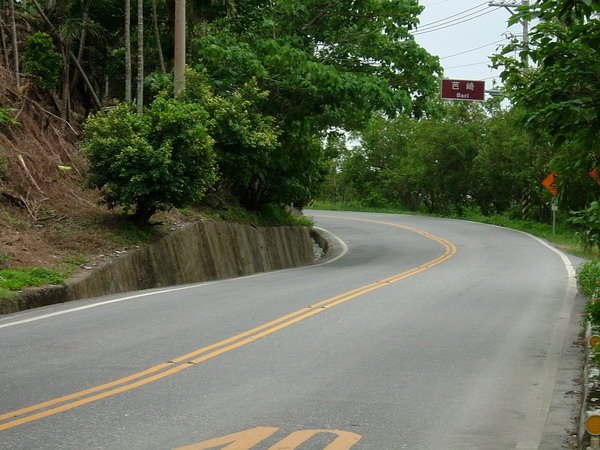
[
  {"x": 176, "y": 289},
  {"x": 566, "y": 261}
]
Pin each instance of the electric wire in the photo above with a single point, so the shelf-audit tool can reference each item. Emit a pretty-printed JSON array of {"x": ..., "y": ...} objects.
[
  {"x": 472, "y": 49},
  {"x": 467, "y": 65},
  {"x": 451, "y": 24},
  {"x": 436, "y": 3},
  {"x": 427, "y": 25}
]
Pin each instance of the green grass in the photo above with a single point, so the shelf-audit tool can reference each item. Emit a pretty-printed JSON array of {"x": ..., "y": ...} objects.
[
  {"x": 565, "y": 237},
  {"x": 12, "y": 280}
]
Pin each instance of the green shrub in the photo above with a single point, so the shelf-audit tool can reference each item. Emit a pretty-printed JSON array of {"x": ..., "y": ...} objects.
[
  {"x": 588, "y": 278},
  {"x": 588, "y": 222},
  {"x": 42, "y": 60},
  {"x": 153, "y": 161}
]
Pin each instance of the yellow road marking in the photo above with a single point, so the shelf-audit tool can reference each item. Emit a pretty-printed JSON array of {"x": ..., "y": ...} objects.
[
  {"x": 343, "y": 441},
  {"x": 160, "y": 371},
  {"x": 242, "y": 440}
]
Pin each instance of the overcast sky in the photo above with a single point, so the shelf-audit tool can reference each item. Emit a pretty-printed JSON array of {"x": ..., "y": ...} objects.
[{"x": 449, "y": 27}]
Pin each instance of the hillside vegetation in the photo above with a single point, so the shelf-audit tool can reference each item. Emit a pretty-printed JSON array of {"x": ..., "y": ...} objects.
[{"x": 92, "y": 135}]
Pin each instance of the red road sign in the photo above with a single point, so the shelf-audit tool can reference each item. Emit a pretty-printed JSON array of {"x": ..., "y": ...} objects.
[
  {"x": 463, "y": 90},
  {"x": 548, "y": 183},
  {"x": 595, "y": 175}
]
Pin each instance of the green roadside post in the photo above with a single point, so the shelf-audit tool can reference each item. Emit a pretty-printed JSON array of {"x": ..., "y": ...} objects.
[{"x": 554, "y": 209}]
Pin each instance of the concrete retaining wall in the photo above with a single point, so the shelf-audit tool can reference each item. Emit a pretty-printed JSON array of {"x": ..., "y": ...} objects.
[{"x": 199, "y": 252}]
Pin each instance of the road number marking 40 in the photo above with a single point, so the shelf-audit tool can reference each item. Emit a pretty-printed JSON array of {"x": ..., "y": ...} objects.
[{"x": 245, "y": 440}]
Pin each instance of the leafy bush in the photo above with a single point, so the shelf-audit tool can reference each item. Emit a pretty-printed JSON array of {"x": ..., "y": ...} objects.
[
  {"x": 153, "y": 161},
  {"x": 588, "y": 278},
  {"x": 588, "y": 221},
  {"x": 43, "y": 61}
]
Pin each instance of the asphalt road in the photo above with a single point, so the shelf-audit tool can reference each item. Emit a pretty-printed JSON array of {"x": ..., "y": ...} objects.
[{"x": 423, "y": 333}]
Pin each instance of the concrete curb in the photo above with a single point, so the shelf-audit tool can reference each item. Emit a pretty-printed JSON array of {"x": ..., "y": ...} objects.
[{"x": 198, "y": 252}]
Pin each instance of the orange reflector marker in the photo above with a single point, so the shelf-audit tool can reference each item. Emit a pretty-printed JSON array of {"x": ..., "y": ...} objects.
[
  {"x": 592, "y": 425},
  {"x": 594, "y": 340}
]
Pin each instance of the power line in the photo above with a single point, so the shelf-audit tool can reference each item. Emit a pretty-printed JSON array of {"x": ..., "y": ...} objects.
[
  {"x": 437, "y": 3},
  {"x": 427, "y": 25},
  {"x": 472, "y": 49},
  {"x": 451, "y": 24},
  {"x": 467, "y": 65}
]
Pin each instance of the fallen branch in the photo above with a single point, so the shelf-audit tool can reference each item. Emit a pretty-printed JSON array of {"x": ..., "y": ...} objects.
[
  {"x": 20, "y": 111},
  {"x": 22, "y": 161},
  {"x": 33, "y": 207}
]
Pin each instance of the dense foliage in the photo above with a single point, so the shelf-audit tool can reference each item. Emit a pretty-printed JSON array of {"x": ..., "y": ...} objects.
[
  {"x": 556, "y": 83},
  {"x": 42, "y": 61},
  {"x": 323, "y": 64},
  {"x": 465, "y": 156},
  {"x": 276, "y": 79}
]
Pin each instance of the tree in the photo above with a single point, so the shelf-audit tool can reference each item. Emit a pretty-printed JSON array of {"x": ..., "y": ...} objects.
[
  {"x": 85, "y": 26},
  {"x": 180, "y": 41},
  {"x": 324, "y": 65},
  {"x": 560, "y": 94},
  {"x": 246, "y": 140},
  {"x": 15, "y": 41},
  {"x": 163, "y": 67},
  {"x": 150, "y": 162},
  {"x": 3, "y": 36},
  {"x": 42, "y": 61},
  {"x": 140, "y": 57},
  {"x": 508, "y": 168},
  {"x": 127, "y": 33}
]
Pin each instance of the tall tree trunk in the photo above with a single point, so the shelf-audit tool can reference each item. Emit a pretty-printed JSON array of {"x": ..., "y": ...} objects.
[
  {"x": 127, "y": 50},
  {"x": 140, "y": 57},
  {"x": 65, "y": 112},
  {"x": 161, "y": 59},
  {"x": 82, "y": 39},
  {"x": 13, "y": 24},
  {"x": 179, "y": 80},
  {"x": 106, "y": 87},
  {"x": 4, "y": 46}
]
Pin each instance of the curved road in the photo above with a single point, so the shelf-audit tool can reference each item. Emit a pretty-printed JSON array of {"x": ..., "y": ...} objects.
[{"x": 423, "y": 333}]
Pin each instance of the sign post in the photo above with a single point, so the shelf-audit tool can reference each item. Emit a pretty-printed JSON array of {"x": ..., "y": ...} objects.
[{"x": 554, "y": 207}]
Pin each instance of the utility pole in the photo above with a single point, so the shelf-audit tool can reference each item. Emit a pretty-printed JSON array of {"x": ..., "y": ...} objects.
[{"x": 508, "y": 4}]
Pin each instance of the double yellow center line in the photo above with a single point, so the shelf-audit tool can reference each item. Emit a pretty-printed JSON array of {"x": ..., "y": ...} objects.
[{"x": 48, "y": 408}]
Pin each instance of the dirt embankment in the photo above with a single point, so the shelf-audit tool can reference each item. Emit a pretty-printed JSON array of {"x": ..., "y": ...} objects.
[{"x": 46, "y": 217}]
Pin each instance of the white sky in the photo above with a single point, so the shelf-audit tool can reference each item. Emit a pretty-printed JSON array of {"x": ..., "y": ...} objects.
[{"x": 481, "y": 26}]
